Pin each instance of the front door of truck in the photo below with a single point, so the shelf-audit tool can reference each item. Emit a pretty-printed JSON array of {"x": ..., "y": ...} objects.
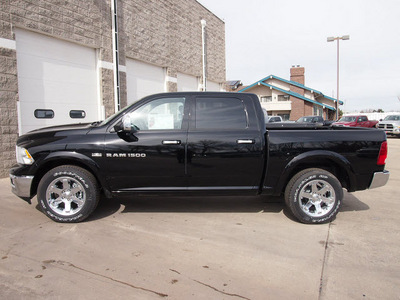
[
  {"x": 152, "y": 156},
  {"x": 225, "y": 147}
]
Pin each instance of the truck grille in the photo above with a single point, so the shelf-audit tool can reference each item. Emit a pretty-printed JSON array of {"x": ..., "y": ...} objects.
[{"x": 386, "y": 126}]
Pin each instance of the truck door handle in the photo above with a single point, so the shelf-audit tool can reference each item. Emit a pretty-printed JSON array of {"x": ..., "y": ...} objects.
[
  {"x": 176, "y": 142},
  {"x": 245, "y": 141}
]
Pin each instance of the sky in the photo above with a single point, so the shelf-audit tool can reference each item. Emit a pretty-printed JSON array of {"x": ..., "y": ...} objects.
[{"x": 267, "y": 37}]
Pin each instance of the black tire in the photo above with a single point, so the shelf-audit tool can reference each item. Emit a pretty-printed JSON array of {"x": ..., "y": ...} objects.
[
  {"x": 314, "y": 196},
  {"x": 68, "y": 194}
]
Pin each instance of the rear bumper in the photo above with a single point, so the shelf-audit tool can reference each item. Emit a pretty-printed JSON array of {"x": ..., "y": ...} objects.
[
  {"x": 21, "y": 186},
  {"x": 379, "y": 179}
]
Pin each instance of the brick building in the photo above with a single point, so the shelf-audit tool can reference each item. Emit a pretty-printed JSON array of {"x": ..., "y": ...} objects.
[
  {"x": 68, "y": 61},
  {"x": 291, "y": 99}
]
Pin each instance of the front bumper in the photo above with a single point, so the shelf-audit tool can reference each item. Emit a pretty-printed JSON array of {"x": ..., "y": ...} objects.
[
  {"x": 379, "y": 179},
  {"x": 21, "y": 186},
  {"x": 392, "y": 132}
]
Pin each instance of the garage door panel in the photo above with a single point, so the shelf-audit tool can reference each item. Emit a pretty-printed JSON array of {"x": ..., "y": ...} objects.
[
  {"x": 213, "y": 86},
  {"x": 50, "y": 70},
  {"x": 61, "y": 111},
  {"x": 36, "y": 90},
  {"x": 49, "y": 48},
  {"x": 187, "y": 83},
  {"x": 57, "y": 75},
  {"x": 143, "y": 79}
]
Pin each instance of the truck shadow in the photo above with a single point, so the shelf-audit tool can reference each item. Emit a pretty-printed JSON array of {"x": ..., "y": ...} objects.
[
  {"x": 220, "y": 204},
  {"x": 352, "y": 203},
  {"x": 158, "y": 204}
]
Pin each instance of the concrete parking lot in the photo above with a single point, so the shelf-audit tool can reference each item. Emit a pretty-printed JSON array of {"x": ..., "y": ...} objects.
[{"x": 204, "y": 248}]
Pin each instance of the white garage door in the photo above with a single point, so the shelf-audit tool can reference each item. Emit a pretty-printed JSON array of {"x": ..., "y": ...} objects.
[
  {"x": 143, "y": 79},
  {"x": 57, "y": 82},
  {"x": 213, "y": 86},
  {"x": 187, "y": 83}
]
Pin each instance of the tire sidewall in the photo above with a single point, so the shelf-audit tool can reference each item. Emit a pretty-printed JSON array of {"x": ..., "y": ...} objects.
[
  {"x": 79, "y": 175},
  {"x": 298, "y": 185}
]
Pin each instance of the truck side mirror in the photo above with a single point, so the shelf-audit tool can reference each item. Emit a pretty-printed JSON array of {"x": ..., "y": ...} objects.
[{"x": 125, "y": 125}]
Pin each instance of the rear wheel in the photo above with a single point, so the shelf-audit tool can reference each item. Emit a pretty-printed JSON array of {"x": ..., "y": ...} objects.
[
  {"x": 68, "y": 194},
  {"x": 314, "y": 196}
]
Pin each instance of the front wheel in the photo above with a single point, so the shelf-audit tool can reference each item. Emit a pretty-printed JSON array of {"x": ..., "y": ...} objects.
[
  {"x": 314, "y": 196},
  {"x": 68, "y": 194}
]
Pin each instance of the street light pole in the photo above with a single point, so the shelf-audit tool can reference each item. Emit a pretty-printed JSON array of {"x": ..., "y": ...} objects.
[{"x": 331, "y": 39}]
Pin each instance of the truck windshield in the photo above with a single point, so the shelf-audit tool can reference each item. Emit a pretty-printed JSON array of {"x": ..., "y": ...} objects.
[
  {"x": 392, "y": 118},
  {"x": 305, "y": 120},
  {"x": 348, "y": 119},
  {"x": 113, "y": 115}
]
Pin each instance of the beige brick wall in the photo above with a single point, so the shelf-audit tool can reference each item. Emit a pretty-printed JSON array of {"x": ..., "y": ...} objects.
[{"x": 166, "y": 33}]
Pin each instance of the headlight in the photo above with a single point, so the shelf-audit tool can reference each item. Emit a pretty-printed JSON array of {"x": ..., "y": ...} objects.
[{"x": 23, "y": 156}]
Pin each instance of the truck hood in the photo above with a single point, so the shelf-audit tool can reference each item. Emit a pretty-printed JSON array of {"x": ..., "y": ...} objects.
[
  {"x": 54, "y": 132},
  {"x": 343, "y": 123},
  {"x": 390, "y": 122}
]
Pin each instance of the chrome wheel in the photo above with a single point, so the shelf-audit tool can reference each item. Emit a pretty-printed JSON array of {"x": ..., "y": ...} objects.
[
  {"x": 65, "y": 196},
  {"x": 317, "y": 198}
]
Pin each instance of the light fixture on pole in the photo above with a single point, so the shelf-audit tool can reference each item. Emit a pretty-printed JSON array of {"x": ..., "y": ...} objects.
[{"x": 331, "y": 39}]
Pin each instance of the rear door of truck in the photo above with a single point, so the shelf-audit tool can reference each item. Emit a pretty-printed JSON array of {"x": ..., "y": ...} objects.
[{"x": 225, "y": 149}]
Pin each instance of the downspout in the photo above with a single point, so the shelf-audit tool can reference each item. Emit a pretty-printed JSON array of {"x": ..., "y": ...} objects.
[
  {"x": 203, "y": 43},
  {"x": 115, "y": 54}
]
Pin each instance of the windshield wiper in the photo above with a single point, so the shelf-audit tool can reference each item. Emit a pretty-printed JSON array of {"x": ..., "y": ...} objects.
[{"x": 95, "y": 123}]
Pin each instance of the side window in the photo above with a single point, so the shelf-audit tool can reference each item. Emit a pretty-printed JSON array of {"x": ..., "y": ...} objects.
[
  {"x": 220, "y": 113},
  {"x": 44, "y": 114},
  {"x": 160, "y": 114},
  {"x": 77, "y": 114}
]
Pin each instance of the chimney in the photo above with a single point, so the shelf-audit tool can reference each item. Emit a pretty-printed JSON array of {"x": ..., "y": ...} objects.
[{"x": 297, "y": 74}]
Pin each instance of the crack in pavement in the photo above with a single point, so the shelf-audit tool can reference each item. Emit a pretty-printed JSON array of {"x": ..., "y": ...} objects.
[
  {"x": 211, "y": 287},
  {"x": 321, "y": 280},
  {"x": 63, "y": 263},
  {"x": 217, "y": 290}
]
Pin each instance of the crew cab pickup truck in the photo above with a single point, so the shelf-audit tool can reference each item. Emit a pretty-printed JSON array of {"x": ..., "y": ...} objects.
[
  {"x": 355, "y": 121},
  {"x": 391, "y": 125},
  {"x": 196, "y": 143}
]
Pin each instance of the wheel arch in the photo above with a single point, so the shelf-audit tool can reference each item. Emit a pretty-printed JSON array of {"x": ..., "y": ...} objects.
[
  {"x": 57, "y": 159},
  {"x": 329, "y": 161}
]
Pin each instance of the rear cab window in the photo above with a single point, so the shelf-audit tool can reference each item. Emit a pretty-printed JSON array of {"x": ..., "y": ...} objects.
[{"x": 220, "y": 113}]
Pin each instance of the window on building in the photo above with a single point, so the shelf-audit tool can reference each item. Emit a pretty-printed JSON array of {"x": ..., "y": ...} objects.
[
  {"x": 265, "y": 99},
  {"x": 77, "y": 114},
  {"x": 220, "y": 113},
  {"x": 283, "y": 97},
  {"x": 318, "y": 110},
  {"x": 44, "y": 114}
]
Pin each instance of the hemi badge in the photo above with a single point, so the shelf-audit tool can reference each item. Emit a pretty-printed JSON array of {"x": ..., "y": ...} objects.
[{"x": 97, "y": 155}]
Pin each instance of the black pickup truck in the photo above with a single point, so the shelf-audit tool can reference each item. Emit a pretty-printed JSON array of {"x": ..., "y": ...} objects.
[{"x": 196, "y": 143}]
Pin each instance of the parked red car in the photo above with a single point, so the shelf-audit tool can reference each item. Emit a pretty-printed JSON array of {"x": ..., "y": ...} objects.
[{"x": 355, "y": 121}]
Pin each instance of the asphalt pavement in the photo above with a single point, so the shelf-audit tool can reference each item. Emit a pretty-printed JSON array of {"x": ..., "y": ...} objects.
[{"x": 204, "y": 248}]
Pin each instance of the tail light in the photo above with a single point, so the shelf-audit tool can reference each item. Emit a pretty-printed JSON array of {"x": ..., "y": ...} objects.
[{"x": 382, "y": 154}]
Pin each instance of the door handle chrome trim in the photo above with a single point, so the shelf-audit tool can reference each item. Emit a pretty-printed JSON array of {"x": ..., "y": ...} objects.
[
  {"x": 176, "y": 142},
  {"x": 245, "y": 141}
]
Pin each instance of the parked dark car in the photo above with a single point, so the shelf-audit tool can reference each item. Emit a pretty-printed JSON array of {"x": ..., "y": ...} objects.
[
  {"x": 314, "y": 120},
  {"x": 274, "y": 119}
]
